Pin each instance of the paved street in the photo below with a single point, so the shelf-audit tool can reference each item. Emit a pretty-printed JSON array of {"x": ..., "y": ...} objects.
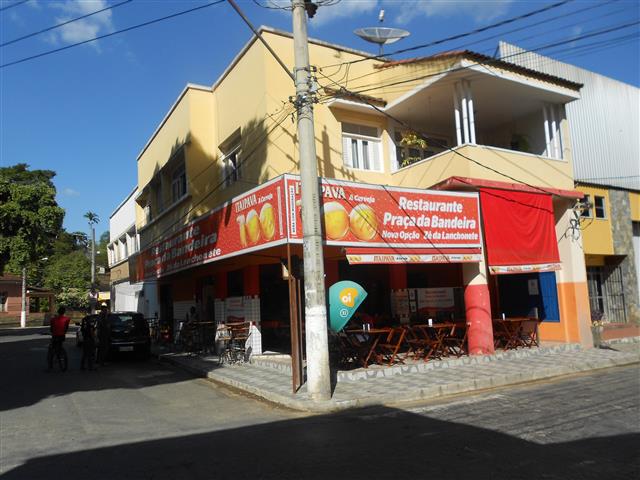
[{"x": 147, "y": 420}]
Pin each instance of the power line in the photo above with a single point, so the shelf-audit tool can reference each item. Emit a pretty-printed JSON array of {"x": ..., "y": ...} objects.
[
  {"x": 591, "y": 34},
  {"x": 460, "y": 35},
  {"x": 63, "y": 23},
  {"x": 439, "y": 144},
  {"x": 13, "y": 5},
  {"x": 244, "y": 162},
  {"x": 525, "y": 27},
  {"x": 150, "y": 22}
]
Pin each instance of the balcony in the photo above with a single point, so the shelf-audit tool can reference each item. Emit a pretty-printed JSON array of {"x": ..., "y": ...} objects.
[{"x": 486, "y": 123}]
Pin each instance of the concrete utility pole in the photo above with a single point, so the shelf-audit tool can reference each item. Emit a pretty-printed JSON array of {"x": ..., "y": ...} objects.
[
  {"x": 315, "y": 310},
  {"x": 23, "y": 312},
  {"x": 92, "y": 219}
]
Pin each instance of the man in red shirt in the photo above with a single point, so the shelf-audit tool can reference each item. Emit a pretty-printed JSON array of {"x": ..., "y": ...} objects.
[{"x": 59, "y": 327}]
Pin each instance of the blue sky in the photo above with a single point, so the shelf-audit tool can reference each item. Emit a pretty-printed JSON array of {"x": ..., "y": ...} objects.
[{"x": 86, "y": 112}]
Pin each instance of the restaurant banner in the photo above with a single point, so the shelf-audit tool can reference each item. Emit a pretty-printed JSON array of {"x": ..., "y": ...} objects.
[
  {"x": 354, "y": 214},
  {"x": 358, "y": 214},
  {"x": 251, "y": 221}
]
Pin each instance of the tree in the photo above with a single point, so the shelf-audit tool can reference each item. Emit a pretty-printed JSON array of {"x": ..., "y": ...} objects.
[
  {"x": 69, "y": 270},
  {"x": 30, "y": 218},
  {"x": 101, "y": 253}
]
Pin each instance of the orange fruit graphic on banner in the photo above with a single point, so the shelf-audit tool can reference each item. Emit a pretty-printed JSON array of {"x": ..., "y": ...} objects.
[
  {"x": 348, "y": 296},
  {"x": 336, "y": 221},
  {"x": 253, "y": 226},
  {"x": 267, "y": 222},
  {"x": 363, "y": 222}
]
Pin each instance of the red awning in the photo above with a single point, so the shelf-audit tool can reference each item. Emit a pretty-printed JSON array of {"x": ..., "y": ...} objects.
[
  {"x": 360, "y": 256},
  {"x": 519, "y": 231}
]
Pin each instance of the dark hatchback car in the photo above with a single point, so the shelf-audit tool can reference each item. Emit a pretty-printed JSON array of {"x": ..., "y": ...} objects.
[{"x": 129, "y": 333}]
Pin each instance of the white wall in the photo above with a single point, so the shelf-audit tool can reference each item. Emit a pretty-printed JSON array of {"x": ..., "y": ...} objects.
[{"x": 123, "y": 217}]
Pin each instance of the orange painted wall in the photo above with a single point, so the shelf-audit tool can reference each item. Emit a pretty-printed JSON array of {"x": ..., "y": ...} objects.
[{"x": 575, "y": 316}]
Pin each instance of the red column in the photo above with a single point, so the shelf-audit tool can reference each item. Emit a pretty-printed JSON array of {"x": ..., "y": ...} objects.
[
  {"x": 478, "y": 310},
  {"x": 397, "y": 277},
  {"x": 251, "y": 279}
]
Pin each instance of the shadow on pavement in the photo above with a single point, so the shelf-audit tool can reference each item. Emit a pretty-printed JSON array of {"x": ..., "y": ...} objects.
[
  {"x": 380, "y": 443},
  {"x": 24, "y": 380}
]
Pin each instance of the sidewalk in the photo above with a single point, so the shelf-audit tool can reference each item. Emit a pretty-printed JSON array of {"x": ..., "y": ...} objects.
[{"x": 270, "y": 379}]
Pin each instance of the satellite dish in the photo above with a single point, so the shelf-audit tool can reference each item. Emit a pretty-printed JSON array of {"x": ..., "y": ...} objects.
[{"x": 381, "y": 35}]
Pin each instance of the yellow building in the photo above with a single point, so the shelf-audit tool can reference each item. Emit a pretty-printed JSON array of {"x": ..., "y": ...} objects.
[
  {"x": 456, "y": 122},
  {"x": 610, "y": 225}
]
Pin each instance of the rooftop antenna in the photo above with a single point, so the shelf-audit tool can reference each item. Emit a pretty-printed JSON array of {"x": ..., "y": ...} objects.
[{"x": 381, "y": 35}]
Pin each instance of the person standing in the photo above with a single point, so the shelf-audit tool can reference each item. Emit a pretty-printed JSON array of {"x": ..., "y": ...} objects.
[
  {"x": 104, "y": 335},
  {"x": 88, "y": 329}
]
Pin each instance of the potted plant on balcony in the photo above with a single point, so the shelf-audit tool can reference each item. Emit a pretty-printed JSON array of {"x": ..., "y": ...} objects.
[
  {"x": 412, "y": 139},
  {"x": 520, "y": 142}
]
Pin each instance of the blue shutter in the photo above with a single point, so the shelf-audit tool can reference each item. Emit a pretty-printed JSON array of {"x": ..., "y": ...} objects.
[{"x": 549, "y": 294}]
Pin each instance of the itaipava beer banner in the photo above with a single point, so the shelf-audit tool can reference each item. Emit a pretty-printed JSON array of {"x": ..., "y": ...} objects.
[
  {"x": 364, "y": 215},
  {"x": 354, "y": 215}
]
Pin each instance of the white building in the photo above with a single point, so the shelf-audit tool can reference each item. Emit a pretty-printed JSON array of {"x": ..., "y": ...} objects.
[{"x": 124, "y": 242}]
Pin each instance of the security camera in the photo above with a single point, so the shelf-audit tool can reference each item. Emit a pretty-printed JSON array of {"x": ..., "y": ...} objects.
[{"x": 381, "y": 16}]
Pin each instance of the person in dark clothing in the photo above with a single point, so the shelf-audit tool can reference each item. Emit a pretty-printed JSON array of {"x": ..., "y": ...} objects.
[
  {"x": 88, "y": 329},
  {"x": 104, "y": 334}
]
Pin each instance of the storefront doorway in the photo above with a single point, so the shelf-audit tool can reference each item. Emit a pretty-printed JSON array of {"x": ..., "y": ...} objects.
[{"x": 528, "y": 295}]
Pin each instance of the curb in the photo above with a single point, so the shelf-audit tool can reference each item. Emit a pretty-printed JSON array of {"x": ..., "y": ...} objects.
[{"x": 478, "y": 384}]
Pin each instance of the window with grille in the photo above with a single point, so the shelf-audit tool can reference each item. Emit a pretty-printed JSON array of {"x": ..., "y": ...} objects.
[{"x": 361, "y": 147}]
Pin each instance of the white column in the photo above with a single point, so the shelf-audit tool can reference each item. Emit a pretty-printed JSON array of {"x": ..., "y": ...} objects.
[
  {"x": 547, "y": 137},
  {"x": 472, "y": 122},
  {"x": 554, "y": 131},
  {"x": 456, "y": 108},
  {"x": 465, "y": 116}
]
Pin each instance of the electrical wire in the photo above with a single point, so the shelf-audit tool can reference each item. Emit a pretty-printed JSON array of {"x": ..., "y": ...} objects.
[
  {"x": 2, "y": 9},
  {"x": 525, "y": 27},
  {"x": 245, "y": 161},
  {"x": 64, "y": 23},
  {"x": 460, "y": 35},
  {"x": 370, "y": 87},
  {"x": 134, "y": 27}
]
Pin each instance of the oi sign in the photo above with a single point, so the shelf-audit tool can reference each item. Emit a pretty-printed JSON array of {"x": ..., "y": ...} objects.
[{"x": 344, "y": 299}]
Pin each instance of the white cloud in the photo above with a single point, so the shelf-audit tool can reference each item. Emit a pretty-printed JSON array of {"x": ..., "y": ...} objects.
[
  {"x": 343, "y": 9},
  {"x": 81, "y": 30},
  {"x": 479, "y": 10},
  {"x": 328, "y": 13},
  {"x": 70, "y": 192}
]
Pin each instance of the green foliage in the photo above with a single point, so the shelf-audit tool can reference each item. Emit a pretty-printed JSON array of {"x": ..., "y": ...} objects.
[
  {"x": 101, "y": 250},
  {"x": 71, "y": 270},
  {"x": 30, "y": 218},
  {"x": 73, "y": 298},
  {"x": 412, "y": 139}
]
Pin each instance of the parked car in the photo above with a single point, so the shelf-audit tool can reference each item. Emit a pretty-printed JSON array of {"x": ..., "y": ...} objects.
[{"x": 129, "y": 333}]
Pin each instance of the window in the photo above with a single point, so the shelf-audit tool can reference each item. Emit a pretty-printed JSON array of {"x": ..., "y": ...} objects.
[
  {"x": 586, "y": 206},
  {"x": 408, "y": 154},
  {"x": 361, "y": 147},
  {"x": 3, "y": 301},
  {"x": 178, "y": 183},
  {"x": 231, "y": 166},
  {"x": 157, "y": 187},
  {"x": 599, "y": 207}
]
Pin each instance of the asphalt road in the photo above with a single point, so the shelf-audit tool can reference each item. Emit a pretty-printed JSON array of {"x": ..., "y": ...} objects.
[{"x": 146, "y": 420}]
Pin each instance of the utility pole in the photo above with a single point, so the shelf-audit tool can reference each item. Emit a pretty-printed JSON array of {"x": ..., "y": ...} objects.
[
  {"x": 315, "y": 310},
  {"x": 23, "y": 312},
  {"x": 92, "y": 219}
]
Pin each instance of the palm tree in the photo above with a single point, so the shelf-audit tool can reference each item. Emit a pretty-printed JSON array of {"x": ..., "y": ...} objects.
[{"x": 93, "y": 219}]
